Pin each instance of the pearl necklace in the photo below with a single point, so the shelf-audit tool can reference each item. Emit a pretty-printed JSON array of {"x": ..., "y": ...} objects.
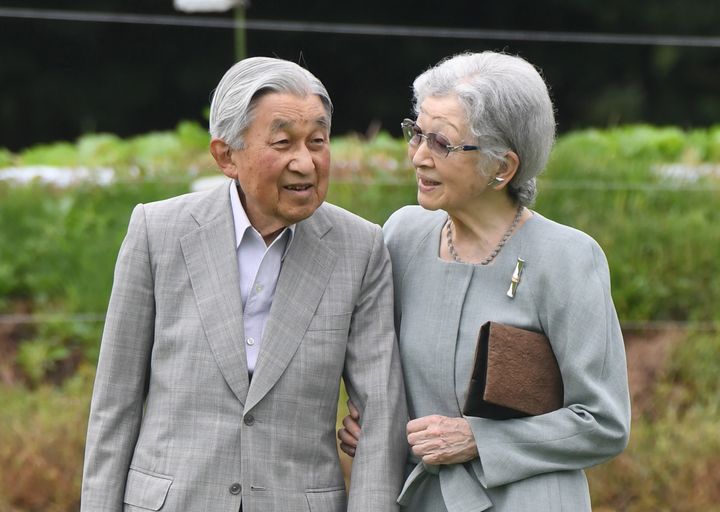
[{"x": 496, "y": 251}]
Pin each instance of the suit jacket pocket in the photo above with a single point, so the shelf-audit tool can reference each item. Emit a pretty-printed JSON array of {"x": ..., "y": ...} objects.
[
  {"x": 146, "y": 490},
  {"x": 327, "y": 500},
  {"x": 339, "y": 322}
]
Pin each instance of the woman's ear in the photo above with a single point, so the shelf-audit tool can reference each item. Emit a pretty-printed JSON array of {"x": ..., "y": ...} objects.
[
  {"x": 222, "y": 153},
  {"x": 506, "y": 171}
]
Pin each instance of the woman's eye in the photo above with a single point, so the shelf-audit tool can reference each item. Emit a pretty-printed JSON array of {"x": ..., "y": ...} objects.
[{"x": 442, "y": 141}]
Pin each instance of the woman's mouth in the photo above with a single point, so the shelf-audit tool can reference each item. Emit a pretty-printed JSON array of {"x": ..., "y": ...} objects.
[
  {"x": 428, "y": 183},
  {"x": 425, "y": 184}
]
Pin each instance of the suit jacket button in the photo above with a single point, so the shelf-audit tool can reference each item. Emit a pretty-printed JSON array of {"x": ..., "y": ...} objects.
[
  {"x": 235, "y": 488},
  {"x": 249, "y": 420}
]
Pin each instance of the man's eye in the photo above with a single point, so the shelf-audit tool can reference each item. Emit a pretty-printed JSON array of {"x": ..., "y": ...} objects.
[
  {"x": 281, "y": 142},
  {"x": 318, "y": 140}
]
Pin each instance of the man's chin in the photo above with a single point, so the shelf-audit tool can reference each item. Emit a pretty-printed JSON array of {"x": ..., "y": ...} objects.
[{"x": 295, "y": 215}]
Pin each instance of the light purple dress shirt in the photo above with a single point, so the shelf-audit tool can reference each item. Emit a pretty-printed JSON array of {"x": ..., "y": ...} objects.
[{"x": 259, "y": 266}]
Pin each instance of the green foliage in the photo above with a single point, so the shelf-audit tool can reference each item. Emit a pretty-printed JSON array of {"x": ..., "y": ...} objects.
[
  {"x": 713, "y": 144},
  {"x": 57, "y": 251},
  {"x": 6, "y": 158},
  {"x": 656, "y": 232},
  {"x": 181, "y": 152},
  {"x": 37, "y": 356},
  {"x": 192, "y": 136},
  {"x": 57, "y": 154},
  {"x": 379, "y": 160},
  {"x": 101, "y": 150},
  {"x": 373, "y": 202},
  {"x": 58, "y": 247}
]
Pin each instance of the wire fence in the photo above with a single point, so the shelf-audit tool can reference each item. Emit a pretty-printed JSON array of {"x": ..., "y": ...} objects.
[
  {"x": 359, "y": 29},
  {"x": 47, "y": 318}
]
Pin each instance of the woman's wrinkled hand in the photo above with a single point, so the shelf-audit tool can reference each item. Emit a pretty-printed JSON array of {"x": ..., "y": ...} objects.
[
  {"x": 350, "y": 432},
  {"x": 441, "y": 440}
]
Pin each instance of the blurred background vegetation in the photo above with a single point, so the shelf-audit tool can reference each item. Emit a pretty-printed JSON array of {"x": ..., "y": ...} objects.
[
  {"x": 637, "y": 166},
  {"x": 639, "y": 190}
]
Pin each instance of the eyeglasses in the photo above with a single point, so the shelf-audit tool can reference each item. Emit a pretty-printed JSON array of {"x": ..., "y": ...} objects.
[{"x": 436, "y": 142}]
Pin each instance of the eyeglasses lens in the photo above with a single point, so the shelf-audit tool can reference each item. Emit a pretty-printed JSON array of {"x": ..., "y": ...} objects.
[
  {"x": 409, "y": 131},
  {"x": 436, "y": 143}
]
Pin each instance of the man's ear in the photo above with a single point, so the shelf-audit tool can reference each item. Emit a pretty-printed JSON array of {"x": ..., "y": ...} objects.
[{"x": 222, "y": 153}]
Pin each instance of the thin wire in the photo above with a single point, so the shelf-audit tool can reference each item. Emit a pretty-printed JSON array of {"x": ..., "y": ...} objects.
[
  {"x": 667, "y": 325},
  {"x": 47, "y": 318},
  {"x": 398, "y": 182},
  {"x": 42, "y": 318},
  {"x": 636, "y": 187},
  {"x": 545, "y": 184},
  {"x": 364, "y": 29}
]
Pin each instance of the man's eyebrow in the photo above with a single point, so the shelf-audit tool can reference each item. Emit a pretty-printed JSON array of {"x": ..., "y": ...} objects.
[{"x": 280, "y": 124}]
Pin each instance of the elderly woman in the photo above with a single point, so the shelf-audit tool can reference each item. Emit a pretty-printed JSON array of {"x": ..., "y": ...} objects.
[{"x": 483, "y": 132}]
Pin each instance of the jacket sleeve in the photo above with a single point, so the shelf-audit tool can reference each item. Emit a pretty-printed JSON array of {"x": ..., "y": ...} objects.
[
  {"x": 122, "y": 372},
  {"x": 578, "y": 315},
  {"x": 374, "y": 382}
]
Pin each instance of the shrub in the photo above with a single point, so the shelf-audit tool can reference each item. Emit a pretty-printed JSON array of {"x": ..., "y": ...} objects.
[
  {"x": 43, "y": 435},
  {"x": 673, "y": 459}
]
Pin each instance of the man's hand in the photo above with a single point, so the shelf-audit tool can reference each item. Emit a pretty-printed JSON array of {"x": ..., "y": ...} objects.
[
  {"x": 350, "y": 433},
  {"x": 441, "y": 440}
]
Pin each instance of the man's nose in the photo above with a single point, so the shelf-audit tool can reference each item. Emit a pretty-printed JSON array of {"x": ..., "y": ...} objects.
[{"x": 302, "y": 161}]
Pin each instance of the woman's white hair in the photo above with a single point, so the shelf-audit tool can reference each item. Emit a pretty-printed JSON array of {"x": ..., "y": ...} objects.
[
  {"x": 508, "y": 109},
  {"x": 234, "y": 99}
]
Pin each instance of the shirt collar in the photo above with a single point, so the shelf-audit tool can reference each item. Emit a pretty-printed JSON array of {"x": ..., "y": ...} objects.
[{"x": 242, "y": 223}]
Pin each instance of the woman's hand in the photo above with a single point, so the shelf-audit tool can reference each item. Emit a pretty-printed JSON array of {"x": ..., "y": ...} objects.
[
  {"x": 441, "y": 440},
  {"x": 350, "y": 433}
]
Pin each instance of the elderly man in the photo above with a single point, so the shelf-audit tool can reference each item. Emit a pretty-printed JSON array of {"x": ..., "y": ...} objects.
[{"x": 233, "y": 316}]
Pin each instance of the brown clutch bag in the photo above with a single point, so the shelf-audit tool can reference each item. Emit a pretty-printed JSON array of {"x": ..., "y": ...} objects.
[{"x": 515, "y": 374}]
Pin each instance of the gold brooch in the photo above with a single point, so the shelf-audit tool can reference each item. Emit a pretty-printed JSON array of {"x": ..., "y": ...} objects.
[{"x": 515, "y": 280}]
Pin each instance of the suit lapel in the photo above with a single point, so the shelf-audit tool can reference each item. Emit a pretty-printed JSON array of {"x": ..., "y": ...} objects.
[
  {"x": 304, "y": 276},
  {"x": 211, "y": 261}
]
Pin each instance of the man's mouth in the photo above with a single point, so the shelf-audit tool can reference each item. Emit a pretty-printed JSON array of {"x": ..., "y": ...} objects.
[{"x": 297, "y": 188}]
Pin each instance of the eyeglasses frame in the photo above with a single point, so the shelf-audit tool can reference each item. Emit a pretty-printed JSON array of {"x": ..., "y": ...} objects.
[{"x": 409, "y": 123}]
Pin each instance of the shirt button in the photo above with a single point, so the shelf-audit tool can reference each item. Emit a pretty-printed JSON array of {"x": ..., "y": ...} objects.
[
  {"x": 249, "y": 420},
  {"x": 250, "y": 341},
  {"x": 235, "y": 488},
  {"x": 258, "y": 288}
]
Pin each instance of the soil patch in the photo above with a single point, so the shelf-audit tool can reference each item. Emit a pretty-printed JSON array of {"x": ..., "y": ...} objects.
[
  {"x": 11, "y": 334},
  {"x": 647, "y": 357}
]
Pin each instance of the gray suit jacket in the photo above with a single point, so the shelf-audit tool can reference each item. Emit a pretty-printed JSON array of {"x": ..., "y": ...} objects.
[{"x": 175, "y": 424}]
